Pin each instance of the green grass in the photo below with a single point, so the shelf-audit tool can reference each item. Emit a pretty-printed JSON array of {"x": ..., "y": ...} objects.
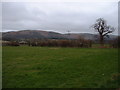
[
  {"x": 45, "y": 67},
  {"x": 98, "y": 45}
]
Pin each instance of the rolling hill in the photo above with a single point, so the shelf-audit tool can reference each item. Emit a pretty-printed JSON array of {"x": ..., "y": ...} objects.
[{"x": 39, "y": 34}]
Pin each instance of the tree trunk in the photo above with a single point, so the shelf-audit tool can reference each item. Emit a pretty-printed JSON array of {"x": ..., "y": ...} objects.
[{"x": 101, "y": 40}]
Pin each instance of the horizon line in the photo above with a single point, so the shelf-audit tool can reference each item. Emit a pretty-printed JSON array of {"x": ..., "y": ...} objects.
[{"x": 52, "y": 31}]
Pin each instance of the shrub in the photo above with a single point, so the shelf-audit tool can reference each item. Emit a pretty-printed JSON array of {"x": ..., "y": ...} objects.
[
  {"x": 10, "y": 43},
  {"x": 115, "y": 43},
  {"x": 63, "y": 43}
]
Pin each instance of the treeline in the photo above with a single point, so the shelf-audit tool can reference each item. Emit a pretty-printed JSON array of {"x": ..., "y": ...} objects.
[
  {"x": 81, "y": 42},
  {"x": 10, "y": 43},
  {"x": 52, "y": 43},
  {"x": 115, "y": 43},
  {"x": 62, "y": 43}
]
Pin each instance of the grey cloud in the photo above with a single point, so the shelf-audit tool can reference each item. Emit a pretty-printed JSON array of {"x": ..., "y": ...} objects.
[{"x": 76, "y": 17}]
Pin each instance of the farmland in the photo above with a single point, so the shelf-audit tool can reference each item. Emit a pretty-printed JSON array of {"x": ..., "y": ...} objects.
[{"x": 55, "y": 67}]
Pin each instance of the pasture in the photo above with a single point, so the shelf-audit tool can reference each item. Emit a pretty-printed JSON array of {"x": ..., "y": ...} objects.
[{"x": 53, "y": 67}]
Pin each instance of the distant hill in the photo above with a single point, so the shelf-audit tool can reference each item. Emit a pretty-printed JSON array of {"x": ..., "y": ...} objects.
[
  {"x": 38, "y": 34},
  {"x": 31, "y": 34}
]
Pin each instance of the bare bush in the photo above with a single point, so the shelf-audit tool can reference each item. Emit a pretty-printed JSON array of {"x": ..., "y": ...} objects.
[
  {"x": 10, "y": 43},
  {"x": 115, "y": 43},
  {"x": 63, "y": 43}
]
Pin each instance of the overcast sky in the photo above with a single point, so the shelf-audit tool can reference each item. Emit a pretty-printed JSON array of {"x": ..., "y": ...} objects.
[{"x": 77, "y": 17}]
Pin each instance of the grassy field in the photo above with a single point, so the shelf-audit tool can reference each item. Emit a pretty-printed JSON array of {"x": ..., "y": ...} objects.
[{"x": 45, "y": 67}]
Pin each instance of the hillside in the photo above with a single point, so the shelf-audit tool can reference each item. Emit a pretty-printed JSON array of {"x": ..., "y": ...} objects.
[{"x": 38, "y": 34}]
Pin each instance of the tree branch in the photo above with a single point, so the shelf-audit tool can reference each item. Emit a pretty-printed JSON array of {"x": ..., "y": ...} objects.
[{"x": 107, "y": 33}]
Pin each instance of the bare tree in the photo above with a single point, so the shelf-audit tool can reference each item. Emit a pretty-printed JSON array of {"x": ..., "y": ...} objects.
[{"x": 103, "y": 29}]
